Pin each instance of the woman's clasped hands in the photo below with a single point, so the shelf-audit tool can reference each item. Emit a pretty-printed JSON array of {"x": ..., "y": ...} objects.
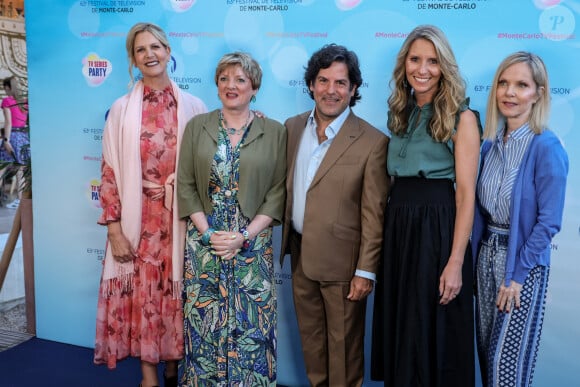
[{"x": 226, "y": 244}]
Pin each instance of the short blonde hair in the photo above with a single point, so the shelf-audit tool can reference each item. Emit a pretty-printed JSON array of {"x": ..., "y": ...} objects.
[
  {"x": 154, "y": 30},
  {"x": 248, "y": 64},
  {"x": 538, "y": 119}
]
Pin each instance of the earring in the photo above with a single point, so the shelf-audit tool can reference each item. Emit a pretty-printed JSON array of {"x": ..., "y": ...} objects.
[
  {"x": 405, "y": 83},
  {"x": 253, "y": 98}
]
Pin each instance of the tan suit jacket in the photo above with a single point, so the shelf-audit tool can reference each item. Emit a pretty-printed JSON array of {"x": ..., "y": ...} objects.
[{"x": 343, "y": 221}]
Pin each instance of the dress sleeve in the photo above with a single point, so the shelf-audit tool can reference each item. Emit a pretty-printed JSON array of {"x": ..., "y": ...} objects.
[{"x": 109, "y": 196}]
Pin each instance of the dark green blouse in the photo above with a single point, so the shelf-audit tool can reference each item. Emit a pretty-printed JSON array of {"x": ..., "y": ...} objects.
[{"x": 417, "y": 154}]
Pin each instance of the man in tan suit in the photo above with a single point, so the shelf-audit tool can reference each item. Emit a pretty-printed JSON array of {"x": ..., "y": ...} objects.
[{"x": 336, "y": 194}]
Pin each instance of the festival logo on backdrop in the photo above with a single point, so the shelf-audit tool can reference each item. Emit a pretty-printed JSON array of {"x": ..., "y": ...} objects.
[
  {"x": 181, "y": 5},
  {"x": 444, "y": 5},
  {"x": 112, "y": 6},
  {"x": 280, "y": 5},
  {"x": 542, "y": 4},
  {"x": 96, "y": 69},
  {"x": 184, "y": 82},
  {"x": 347, "y": 5},
  {"x": 557, "y": 22},
  {"x": 97, "y": 253}
]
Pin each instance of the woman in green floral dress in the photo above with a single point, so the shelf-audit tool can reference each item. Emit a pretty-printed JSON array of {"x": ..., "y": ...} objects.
[{"x": 230, "y": 184}]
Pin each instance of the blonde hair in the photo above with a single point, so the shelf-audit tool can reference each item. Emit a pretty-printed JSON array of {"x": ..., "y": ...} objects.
[
  {"x": 248, "y": 64},
  {"x": 448, "y": 98},
  {"x": 154, "y": 30},
  {"x": 538, "y": 119}
]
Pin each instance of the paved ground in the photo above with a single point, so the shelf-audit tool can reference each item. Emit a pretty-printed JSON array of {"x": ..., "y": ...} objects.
[
  {"x": 12, "y": 314},
  {"x": 13, "y": 317}
]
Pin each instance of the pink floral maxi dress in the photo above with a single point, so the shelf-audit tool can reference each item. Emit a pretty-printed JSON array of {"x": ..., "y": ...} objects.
[{"x": 146, "y": 321}]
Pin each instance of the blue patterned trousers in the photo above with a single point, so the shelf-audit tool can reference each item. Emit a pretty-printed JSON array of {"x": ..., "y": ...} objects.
[{"x": 507, "y": 343}]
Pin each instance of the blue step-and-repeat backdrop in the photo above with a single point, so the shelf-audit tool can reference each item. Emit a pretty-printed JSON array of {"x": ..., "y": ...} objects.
[{"x": 78, "y": 67}]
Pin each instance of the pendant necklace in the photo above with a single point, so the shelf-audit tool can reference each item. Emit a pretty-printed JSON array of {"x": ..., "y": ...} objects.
[{"x": 232, "y": 131}]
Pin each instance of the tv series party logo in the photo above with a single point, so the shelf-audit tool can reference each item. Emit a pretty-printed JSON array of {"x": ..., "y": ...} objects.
[
  {"x": 94, "y": 193},
  {"x": 96, "y": 69}
]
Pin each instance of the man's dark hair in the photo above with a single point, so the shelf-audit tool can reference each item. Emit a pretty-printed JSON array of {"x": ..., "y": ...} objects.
[{"x": 325, "y": 57}]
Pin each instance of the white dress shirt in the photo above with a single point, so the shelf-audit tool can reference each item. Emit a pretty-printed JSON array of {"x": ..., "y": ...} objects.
[{"x": 308, "y": 158}]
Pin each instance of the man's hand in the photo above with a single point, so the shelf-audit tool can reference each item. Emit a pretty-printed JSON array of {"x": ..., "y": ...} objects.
[{"x": 359, "y": 288}]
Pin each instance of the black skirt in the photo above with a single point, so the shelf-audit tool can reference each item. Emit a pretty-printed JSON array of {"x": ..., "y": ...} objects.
[{"x": 416, "y": 341}]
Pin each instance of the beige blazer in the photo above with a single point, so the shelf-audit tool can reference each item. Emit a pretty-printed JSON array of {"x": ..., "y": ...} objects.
[{"x": 345, "y": 204}]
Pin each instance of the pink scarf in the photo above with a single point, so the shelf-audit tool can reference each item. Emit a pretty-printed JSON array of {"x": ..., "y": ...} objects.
[{"x": 121, "y": 151}]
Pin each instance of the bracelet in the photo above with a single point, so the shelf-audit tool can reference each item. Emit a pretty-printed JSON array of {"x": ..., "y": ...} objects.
[
  {"x": 206, "y": 236},
  {"x": 246, "y": 245}
]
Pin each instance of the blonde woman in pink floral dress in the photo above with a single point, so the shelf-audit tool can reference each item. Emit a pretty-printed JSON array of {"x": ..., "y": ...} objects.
[{"x": 140, "y": 309}]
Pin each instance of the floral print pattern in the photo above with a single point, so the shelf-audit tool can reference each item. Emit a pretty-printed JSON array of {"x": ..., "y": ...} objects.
[{"x": 146, "y": 321}]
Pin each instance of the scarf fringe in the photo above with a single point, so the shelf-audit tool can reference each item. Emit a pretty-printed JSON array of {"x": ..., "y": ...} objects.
[
  {"x": 177, "y": 289},
  {"x": 117, "y": 285}
]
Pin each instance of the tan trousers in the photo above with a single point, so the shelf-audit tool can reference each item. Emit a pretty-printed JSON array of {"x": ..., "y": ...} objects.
[{"x": 331, "y": 327}]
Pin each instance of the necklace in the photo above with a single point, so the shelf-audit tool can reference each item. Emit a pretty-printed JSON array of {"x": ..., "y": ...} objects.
[{"x": 232, "y": 131}]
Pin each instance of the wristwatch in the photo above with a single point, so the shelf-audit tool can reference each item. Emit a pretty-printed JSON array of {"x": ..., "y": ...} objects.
[{"x": 246, "y": 235}]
